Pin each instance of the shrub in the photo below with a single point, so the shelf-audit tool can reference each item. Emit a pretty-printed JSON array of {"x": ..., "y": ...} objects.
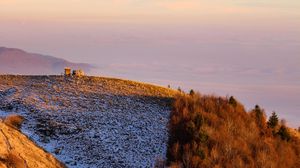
[
  {"x": 14, "y": 120},
  {"x": 258, "y": 114},
  {"x": 284, "y": 133},
  {"x": 14, "y": 160}
]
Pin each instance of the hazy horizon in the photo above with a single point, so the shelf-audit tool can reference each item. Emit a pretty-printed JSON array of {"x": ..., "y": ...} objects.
[{"x": 229, "y": 47}]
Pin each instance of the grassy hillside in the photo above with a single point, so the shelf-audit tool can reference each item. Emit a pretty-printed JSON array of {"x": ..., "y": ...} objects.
[
  {"x": 214, "y": 132},
  {"x": 104, "y": 84},
  {"x": 91, "y": 121},
  {"x": 55, "y": 93}
]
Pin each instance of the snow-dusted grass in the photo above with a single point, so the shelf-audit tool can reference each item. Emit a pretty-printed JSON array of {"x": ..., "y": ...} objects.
[{"x": 91, "y": 121}]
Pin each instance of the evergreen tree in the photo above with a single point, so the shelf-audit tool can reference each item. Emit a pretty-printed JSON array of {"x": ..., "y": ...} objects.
[
  {"x": 260, "y": 116},
  {"x": 232, "y": 101},
  {"x": 192, "y": 92},
  {"x": 273, "y": 120},
  {"x": 258, "y": 112}
]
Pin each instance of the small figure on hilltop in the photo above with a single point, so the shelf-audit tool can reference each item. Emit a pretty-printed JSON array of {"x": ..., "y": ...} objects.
[
  {"x": 76, "y": 73},
  {"x": 67, "y": 71}
]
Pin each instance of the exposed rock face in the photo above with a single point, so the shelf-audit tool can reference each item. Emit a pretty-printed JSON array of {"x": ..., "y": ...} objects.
[
  {"x": 16, "y": 150},
  {"x": 91, "y": 121}
]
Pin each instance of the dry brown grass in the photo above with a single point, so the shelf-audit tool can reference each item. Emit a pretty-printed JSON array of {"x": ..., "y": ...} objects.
[
  {"x": 14, "y": 120},
  {"x": 208, "y": 131},
  {"x": 295, "y": 132},
  {"x": 17, "y": 151}
]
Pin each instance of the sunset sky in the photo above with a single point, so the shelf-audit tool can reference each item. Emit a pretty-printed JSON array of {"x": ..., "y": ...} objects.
[{"x": 250, "y": 49}]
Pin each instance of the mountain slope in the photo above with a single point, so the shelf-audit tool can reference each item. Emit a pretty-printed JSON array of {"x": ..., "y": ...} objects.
[
  {"x": 18, "y": 151},
  {"x": 211, "y": 132},
  {"x": 106, "y": 122},
  {"x": 91, "y": 121},
  {"x": 16, "y": 61}
]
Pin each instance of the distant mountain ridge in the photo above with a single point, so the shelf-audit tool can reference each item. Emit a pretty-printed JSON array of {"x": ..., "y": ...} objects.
[{"x": 17, "y": 61}]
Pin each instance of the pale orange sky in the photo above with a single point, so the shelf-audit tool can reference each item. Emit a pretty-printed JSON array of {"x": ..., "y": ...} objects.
[{"x": 158, "y": 10}]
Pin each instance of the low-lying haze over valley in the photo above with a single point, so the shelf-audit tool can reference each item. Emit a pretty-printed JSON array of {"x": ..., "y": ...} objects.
[{"x": 274, "y": 88}]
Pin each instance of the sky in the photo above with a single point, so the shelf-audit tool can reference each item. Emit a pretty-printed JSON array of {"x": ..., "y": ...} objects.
[{"x": 249, "y": 49}]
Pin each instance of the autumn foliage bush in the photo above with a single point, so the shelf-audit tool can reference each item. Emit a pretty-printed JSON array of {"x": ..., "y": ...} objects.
[
  {"x": 215, "y": 132},
  {"x": 14, "y": 120}
]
